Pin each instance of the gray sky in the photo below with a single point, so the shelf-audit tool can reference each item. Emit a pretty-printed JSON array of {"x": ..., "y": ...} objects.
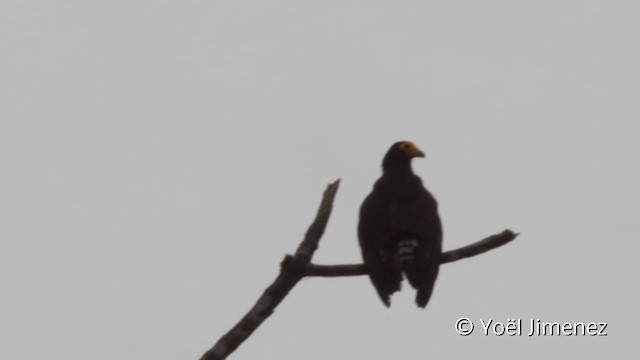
[{"x": 159, "y": 158}]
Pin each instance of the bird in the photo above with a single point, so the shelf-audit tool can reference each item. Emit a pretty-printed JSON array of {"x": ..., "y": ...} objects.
[{"x": 399, "y": 229}]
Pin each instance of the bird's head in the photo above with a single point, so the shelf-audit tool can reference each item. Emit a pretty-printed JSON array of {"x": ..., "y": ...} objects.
[{"x": 400, "y": 155}]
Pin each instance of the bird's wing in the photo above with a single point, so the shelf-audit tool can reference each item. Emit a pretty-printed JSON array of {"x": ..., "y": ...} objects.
[
  {"x": 419, "y": 220},
  {"x": 378, "y": 251}
]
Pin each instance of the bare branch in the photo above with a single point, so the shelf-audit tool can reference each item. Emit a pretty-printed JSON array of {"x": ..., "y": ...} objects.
[
  {"x": 295, "y": 267},
  {"x": 310, "y": 243},
  {"x": 291, "y": 272},
  {"x": 474, "y": 249},
  {"x": 336, "y": 270},
  {"x": 479, "y": 247}
]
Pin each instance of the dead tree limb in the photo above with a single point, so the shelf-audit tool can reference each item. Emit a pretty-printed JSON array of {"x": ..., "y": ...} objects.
[
  {"x": 291, "y": 272},
  {"x": 474, "y": 249},
  {"x": 295, "y": 267}
]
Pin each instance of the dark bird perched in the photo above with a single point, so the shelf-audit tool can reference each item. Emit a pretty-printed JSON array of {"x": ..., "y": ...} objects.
[{"x": 399, "y": 228}]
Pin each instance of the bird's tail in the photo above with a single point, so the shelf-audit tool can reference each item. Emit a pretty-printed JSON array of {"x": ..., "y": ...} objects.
[
  {"x": 421, "y": 269},
  {"x": 424, "y": 294}
]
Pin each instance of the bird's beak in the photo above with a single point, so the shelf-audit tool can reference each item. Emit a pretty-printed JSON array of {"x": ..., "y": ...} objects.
[
  {"x": 411, "y": 150},
  {"x": 415, "y": 152}
]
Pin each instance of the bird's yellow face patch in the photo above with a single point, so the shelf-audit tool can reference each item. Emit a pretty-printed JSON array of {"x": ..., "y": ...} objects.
[{"x": 410, "y": 149}]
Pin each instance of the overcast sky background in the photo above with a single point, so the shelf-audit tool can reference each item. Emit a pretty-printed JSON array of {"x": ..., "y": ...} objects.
[{"x": 159, "y": 158}]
